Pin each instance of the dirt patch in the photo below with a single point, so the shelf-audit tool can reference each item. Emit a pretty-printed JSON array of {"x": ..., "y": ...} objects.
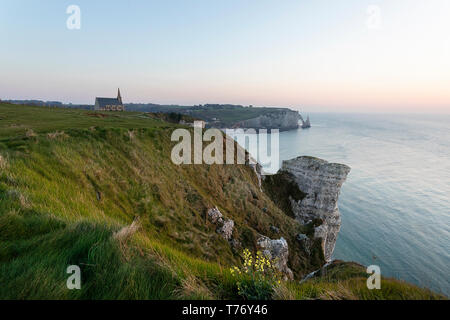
[
  {"x": 30, "y": 133},
  {"x": 3, "y": 162},
  {"x": 56, "y": 135},
  {"x": 126, "y": 232},
  {"x": 96, "y": 115},
  {"x": 14, "y": 125},
  {"x": 18, "y": 196}
]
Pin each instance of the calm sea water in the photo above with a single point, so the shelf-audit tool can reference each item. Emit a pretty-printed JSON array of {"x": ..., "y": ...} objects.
[{"x": 395, "y": 205}]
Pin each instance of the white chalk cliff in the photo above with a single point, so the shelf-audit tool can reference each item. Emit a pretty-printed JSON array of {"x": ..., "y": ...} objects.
[
  {"x": 283, "y": 120},
  {"x": 320, "y": 182}
]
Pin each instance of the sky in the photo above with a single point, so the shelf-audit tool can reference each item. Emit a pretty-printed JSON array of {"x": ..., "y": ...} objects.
[{"x": 316, "y": 55}]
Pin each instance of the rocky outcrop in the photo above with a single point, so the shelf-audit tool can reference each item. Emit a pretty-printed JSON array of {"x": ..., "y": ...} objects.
[
  {"x": 278, "y": 251},
  {"x": 226, "y": 230},
  {"x": 321, "y": 183},
  {"x": 305, "y": 124},
  {"x": 312, "y": 197},
  {"x": 284, "y": 120},
  {"x": 257, "y": 168},
  {"x": 305, "y": 242},
  {"x": 314, "y": 273},
  {"x": 224, "y": 227}
]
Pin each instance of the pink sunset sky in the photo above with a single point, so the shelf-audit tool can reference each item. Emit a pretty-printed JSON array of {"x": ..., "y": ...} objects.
[{"x": 339, "y": 56}]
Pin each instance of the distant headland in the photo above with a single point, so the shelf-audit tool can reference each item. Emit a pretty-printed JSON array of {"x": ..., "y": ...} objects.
[{"x": 214, "y": 115}]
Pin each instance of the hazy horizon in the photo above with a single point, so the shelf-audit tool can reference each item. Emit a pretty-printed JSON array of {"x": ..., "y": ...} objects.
[{"x": 382, "y": 56}]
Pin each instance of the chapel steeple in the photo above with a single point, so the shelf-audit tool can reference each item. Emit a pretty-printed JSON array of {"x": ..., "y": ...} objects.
[{"x": 119, "y": 97}]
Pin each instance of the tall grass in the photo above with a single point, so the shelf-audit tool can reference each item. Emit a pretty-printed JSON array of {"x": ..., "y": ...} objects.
[{"x": 69, "y": 181}]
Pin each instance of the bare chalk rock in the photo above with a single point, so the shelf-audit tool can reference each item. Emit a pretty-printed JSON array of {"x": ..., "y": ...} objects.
[
  {"x": 224, "y": 227},
  {"x": 320, "y": 182},
  {"x": 278, "y": 251}
]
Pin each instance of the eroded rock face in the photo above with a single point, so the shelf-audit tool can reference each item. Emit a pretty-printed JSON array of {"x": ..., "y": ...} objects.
[
  {"x": 277, "y": 250},
  {"x": 227, "y": 229},
  {"x": 305, "y": 242},
  {"x": 215, "y": 215},
  {"x": 283, "y": 120},
  {"x": 224, "y": 227},
  {"x": 320, "y": 182},
  {"x": 257, "y": 168}
]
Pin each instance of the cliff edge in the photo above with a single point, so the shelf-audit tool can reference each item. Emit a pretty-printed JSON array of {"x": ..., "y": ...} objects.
[
  {"x": 311, "y": 189},
  {"x": 98, "y": 191},
  {"x": 283, "y": 120}
]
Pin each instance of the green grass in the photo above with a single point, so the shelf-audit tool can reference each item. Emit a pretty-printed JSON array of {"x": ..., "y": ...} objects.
[
  {"x": 347, "y": 281},
  {"x": 16, "y": 120},
  {"x": 71, "y": 179}
]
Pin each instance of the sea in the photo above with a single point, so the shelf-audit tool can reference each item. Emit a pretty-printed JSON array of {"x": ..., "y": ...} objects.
[{"x": 395, "y": 204}]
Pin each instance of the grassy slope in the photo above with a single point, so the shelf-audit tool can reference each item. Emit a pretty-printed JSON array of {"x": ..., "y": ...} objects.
[{"x": 70, "y": 179}]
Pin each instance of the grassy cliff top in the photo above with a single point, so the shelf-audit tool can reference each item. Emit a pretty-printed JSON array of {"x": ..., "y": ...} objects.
[
  {"x": 73, "y": 181},
  {"x": 228, "y": 115},
  {"x": 16, "y": 120}
]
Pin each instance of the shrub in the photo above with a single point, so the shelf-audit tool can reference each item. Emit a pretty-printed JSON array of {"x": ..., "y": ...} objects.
[{"x": 257, "y": 278}]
